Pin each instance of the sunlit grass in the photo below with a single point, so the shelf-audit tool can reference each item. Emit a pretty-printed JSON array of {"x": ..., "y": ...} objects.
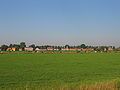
[{"x": 59, "y": 71}]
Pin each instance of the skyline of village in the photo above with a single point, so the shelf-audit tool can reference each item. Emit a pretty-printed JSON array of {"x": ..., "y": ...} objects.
[{"x": 40, "y": 48}]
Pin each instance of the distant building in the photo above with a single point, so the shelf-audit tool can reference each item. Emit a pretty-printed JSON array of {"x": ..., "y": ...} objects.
[
  {"x": 110, "y": 49},
  {"x": 40, "y": 49},
  {"x": 50, "y": 48},
  {"x": 72, "y": 49},
  {"x": 20, "y": 49},
  {"x": 28, "y": 49},
  {"x": 56, "y": 49},
  {"x": 118, "y": 49},
  {"x": 105, "y": 49},
  {"x": 65, "y": 49},
  {"x": 37, "y": 49},
  {"x": 79, "y": 49},
  {"x": 11, "y": 49},
  {"x": 87, "y": 49}
]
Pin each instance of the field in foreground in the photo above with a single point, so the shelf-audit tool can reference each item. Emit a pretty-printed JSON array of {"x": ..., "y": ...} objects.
[{"x": 47, "y": 71}]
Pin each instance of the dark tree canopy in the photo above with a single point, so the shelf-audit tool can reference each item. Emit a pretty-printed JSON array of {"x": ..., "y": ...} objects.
[
  {"x": 67, "y": 46},
  {"x": 83, "y": 46},
  {"x": 33, "y": 46},
  {"x": 22, "y": 45},
  {"x": 4, "y": 47}
]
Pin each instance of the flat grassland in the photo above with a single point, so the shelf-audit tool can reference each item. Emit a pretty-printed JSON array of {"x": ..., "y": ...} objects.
[{"x": 47, "y": 71}]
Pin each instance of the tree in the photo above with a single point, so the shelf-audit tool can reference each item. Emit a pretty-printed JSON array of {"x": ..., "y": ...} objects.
[
  {"x": 16, "y": 46},
  {"x": 4, "y": 47},
  {"x": 22, "y": 45},
  {"x": 83, "y": 46},
  {"x": 67, "y": 46},
  {"x": 113, "y": 47},
  {"x": 10, "y": 46},
  {"x": 33, "y": 46},
  {"x": 59, "y": 48}
]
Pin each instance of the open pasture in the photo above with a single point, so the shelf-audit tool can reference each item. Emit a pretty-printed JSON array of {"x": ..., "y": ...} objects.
[{"x": 57, "y": 70}]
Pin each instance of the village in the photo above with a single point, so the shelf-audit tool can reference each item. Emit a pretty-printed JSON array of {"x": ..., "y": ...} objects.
[{"x": 81, "y": 48}]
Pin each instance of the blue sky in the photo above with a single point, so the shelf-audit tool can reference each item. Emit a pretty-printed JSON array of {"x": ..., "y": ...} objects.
[{"x": 60, "y": 22}]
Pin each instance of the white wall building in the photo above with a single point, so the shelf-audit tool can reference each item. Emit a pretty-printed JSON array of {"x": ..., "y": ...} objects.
[{"x": 28, "y": 49}]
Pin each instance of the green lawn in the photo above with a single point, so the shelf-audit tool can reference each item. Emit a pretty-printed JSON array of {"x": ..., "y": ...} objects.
[{"x": 58, "y": 69}]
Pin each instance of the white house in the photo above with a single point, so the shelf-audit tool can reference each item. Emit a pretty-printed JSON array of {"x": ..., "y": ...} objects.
[
  {"x": 56, "y": 49},
  {"x": 110, "y": 49},
  {"x": 20, "y": 49},
  {"x": 28, "y": 49},
  {"x": 38, "y": 49}
]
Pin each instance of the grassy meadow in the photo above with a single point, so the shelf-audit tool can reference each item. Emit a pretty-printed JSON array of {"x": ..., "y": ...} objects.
[{"x": 59, "y": 71}]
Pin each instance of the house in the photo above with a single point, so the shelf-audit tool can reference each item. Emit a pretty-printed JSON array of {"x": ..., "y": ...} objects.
[
  {"x": 87, "y": 49},
  {"x": 20, "y": 49},
  {"x": 64, "y": 49},
  {"x": 11, "y": 49},
  {"x": 37, "y": 49},
  {"x": 118, "y": 49},
  {"x": 105, "y": 49},
  {"x": 28, "y": 49},
  {"x": 40, "y": 49},
  {"x": 73, "y": 49},
  {"x": 110, "y": 49},
  {"x": 50, "y": 48},
  {"x": 79, "y": 49},
  {"x": 56, "y": 49}
]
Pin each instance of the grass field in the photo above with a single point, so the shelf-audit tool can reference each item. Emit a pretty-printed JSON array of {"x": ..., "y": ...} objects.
[{"x": 58, "y": 70}]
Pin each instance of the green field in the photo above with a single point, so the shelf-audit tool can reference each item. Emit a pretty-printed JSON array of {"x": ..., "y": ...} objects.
[{"x": 52, "y": 70}]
